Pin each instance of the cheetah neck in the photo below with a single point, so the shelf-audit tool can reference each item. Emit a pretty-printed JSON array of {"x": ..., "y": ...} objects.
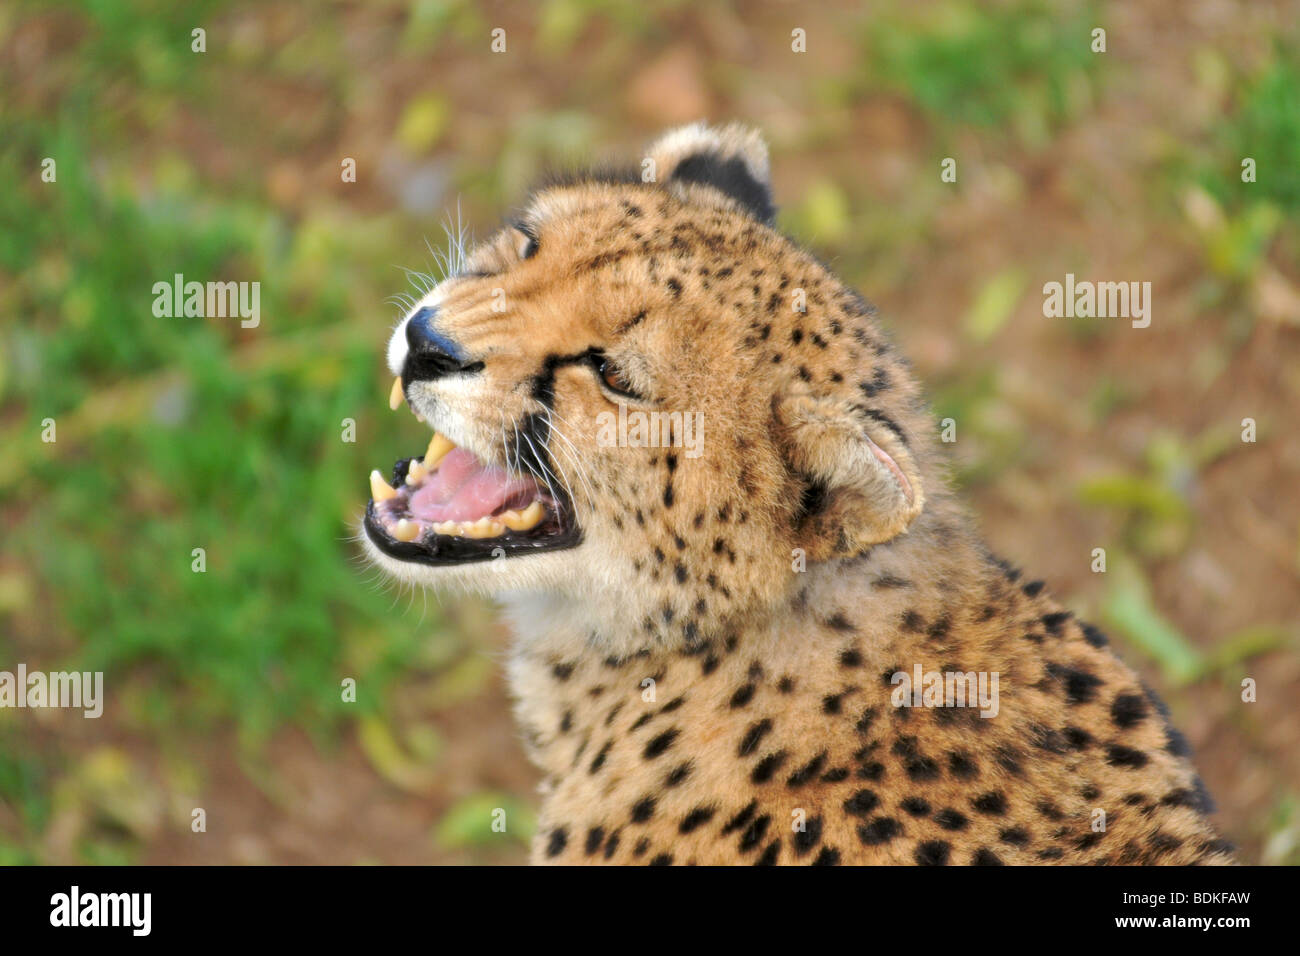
[{"x": 556, "y": 636}]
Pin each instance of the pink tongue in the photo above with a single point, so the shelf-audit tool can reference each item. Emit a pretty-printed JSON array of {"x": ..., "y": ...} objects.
[{"x": 464, "y": 489}]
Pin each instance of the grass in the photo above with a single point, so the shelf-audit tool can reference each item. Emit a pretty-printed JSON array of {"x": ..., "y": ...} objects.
[
  {"x": 1023, "y": 66},
  {"x": 149, "y": 410}
]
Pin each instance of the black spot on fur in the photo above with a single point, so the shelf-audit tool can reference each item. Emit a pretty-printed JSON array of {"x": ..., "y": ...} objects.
[
  {"x": 643, "y": 810},
  {"x": 992, "y": 803},
  {"x": 1055, "y": 621},
  {"x": 864, "y": 722},
  {"x": 661, "y": 743},
  {"x": 808, "y": 837},
  {"x": 749, "y": 743},
  {"x": 962, "y": 766},
  {"x": 807, "y": 771},
  {"x": 561, "y": 671},
  {"x": 861, "y": 803},
  {"x": 741, "y": 818},
  {"x": 829, "y": 856},
  {"x": 878, "y": 831},
  {"x": 1093, "y": 636},
  {"x": 770, "y": 854},
  {"x": 1050, "y": 810},
  {"x": 1080, "y": 685},
  {"x": 1118, "y": 755},
  {"x": 599, "y": 760},
  {"x": 1127, "y": 710},
  {"x": 1077, "y": 738},
  {"x": 950, "y": 819},
  {"x": 916, "y": 806},
  {"x": 1016, "y": 836},
  {"x": 932, "y": 853},
  {"x": 678, "y": 774},
  {"x": 696, "y": 819},
  {"x": 768, "y": 766},
  {"x": 556, "y": 842},
  {"x": 754, "y": 833}
]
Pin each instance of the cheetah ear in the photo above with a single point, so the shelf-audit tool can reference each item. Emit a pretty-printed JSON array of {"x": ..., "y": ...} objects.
[
  {"x": 862, "y": 484},
  {"x": 731, "y": 160}
]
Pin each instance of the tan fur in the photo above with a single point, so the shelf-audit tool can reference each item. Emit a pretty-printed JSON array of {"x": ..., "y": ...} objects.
[{"x": 710, "y": 669}]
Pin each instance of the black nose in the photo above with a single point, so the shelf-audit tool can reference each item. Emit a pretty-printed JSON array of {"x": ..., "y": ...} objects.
[{"x": 431, "y": 354}]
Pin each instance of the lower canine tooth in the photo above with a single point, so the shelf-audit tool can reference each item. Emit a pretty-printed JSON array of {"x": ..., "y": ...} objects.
[
  {"x": 380, "y": 490},
  {"x": 406, "y": 530},
  {"x": 395, "y": 396},
  {"x": 530, "y": 517},
  {"x": 439, "y": 445},
  {"x": 415, "y": 473}
]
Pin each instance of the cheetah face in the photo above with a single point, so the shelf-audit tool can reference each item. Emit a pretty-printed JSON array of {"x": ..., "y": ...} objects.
[{"x": 640, "y": 390}]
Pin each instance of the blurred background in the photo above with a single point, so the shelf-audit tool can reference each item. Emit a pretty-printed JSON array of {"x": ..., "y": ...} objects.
[{"x": 223, "y": 687}]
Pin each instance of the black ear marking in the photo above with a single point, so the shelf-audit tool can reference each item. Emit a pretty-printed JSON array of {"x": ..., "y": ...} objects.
[{"x": 730, "y": 177}]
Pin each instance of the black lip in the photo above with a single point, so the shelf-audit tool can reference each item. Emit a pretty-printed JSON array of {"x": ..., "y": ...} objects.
[{"x": 443, "y": 550}]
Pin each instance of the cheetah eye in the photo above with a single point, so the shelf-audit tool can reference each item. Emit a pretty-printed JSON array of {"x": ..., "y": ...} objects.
[
  {"x": 611, "y": 376},
  {"x": 526, "y": 245}
]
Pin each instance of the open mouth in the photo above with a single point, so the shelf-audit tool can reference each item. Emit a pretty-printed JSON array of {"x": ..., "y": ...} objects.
[{"x": 449, "y": 507}]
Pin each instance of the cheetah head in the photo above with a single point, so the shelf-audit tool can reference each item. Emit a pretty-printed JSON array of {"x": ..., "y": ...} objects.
[{"x": 647, "y": 400}]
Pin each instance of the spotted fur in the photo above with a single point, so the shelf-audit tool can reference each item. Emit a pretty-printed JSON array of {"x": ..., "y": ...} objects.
[{"x": 706, "y": 678}]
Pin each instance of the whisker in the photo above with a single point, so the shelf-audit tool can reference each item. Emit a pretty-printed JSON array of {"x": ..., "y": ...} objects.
[
  {"x": 571, "y": 452},
  {"x": 554, "y": 414}
]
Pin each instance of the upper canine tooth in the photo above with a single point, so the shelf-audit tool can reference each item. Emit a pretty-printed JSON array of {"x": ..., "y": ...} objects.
[
  {"x": 395, "y": 396},
  {"x": 530, "y": 517},
  {"x": 380, "y": 490},
  {"x": 416, "y": 473},
  {"x": 439, "y": 445},
  {"x": 406, "y": 530}
]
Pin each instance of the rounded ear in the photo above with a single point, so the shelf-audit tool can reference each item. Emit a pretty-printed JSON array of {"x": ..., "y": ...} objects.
[
  {"x": 730, "y": 160},
  {"x": 863, "y": 484}
]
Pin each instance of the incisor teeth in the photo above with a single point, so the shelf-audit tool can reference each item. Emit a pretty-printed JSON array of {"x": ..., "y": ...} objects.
[
  {"x": 439, "y": 445},
  {"x": 380, "y": 490},
  {"x": 406, "y": 530},
  {"x": 482, "y": 528},
  {"x": 415, "y": 473},
  {"x": 395, "y": 396},
  {"x": 530, "y": 517}
]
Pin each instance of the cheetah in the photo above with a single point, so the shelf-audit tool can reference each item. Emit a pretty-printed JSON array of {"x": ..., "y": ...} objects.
[{"x": 739, "y": 645}]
